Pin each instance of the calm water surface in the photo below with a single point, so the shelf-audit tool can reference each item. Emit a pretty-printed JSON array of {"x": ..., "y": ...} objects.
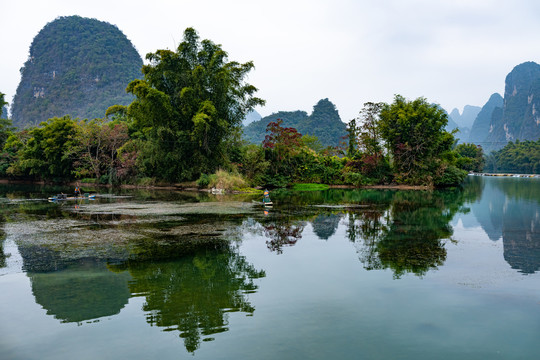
[{"x": 343, "y": 274}]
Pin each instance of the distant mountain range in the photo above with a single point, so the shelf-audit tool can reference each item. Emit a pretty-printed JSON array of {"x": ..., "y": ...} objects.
[
  {"x": 500, "y": 120},
  {"x": 467, "y": 117},
  {"x": 324, "y": 122},
  {"x": 77, "y": 66}
]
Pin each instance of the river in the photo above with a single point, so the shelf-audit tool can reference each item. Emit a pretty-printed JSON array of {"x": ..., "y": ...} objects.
[{"x": 340, "y": 273}]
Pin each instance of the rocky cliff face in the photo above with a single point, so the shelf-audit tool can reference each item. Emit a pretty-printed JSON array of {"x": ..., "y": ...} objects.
[
  {"x": 520, "y": 118},
  {"x": 76, "y": 66},
  {"x": 482, "y": 123}
]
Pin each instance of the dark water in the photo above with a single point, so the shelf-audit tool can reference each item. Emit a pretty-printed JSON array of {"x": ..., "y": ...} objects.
[{"x": 345, "y": 274}]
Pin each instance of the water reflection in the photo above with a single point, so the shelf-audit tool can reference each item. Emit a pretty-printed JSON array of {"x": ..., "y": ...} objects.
[
  {"x": 409, "y": 235},
  {"x": 3, "y": 256},
  {"x": 81, "y": 291},
  {"x": 193, "y": 294},
  {"x": 282, "y": 233},
  {"x": 325, "y": 225},
  {"x": 509, "y": 210},
  {"x": 191, "y": 275},
  {"x": 405, "y": 231},
  {"x": 189, "y": 289}
]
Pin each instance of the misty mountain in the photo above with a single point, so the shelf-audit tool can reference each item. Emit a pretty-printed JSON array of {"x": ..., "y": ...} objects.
[
  {"x": 76, "y": 66},
  {"x": 482, "y": 123},
  {"x": 324, "y": 122},
  {"x": 465, "y": 119},
  {"x": 519, "y": 117},
  {"x": 462, "y": 133},
  {"x": 251, "y": 116},
  {"x": 462, "y": 121}
]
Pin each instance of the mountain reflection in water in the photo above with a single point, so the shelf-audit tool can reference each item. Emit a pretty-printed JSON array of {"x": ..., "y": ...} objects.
[{"x": 509, "y": 209}]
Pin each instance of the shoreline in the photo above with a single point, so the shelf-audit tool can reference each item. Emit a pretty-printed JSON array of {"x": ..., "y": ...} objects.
[
  {"x": 192, "y": 187},
  {"x": 506, "y": 175}
]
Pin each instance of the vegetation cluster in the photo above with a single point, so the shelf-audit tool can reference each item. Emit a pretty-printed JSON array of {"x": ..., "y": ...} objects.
[
  {"x": 184, "y": 125},
  {"x": 516, "y": 157}
]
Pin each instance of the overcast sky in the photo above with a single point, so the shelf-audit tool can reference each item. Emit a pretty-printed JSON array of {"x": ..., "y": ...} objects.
[{"x": 455, "y": 52}]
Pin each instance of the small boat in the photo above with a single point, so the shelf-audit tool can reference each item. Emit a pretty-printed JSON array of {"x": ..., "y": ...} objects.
[{"x": 64, "y": 197}]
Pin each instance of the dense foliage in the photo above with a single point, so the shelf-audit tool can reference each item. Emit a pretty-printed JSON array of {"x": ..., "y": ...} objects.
[
  {"x": 324, "y": 123},
  {"x": 516, "y": 157},
  {"x": 76, "y": 66},
  {"x": 470, "y": 157},
  {"x": 156, "y": 139},
  {"x": 188, "y": 106},
  {"x": 421, "y": 149}
]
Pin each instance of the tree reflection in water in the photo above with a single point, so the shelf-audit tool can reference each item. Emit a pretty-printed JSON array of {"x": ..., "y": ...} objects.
[
  {"x": 282, "y": 234},
  {"x": 405, "y": 231},
  {"x": 194, "y": 293},
  {"x": 409, "y": 236}
]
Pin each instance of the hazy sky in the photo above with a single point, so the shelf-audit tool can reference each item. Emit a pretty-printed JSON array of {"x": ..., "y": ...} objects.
[{"x": 455, "y": 52}]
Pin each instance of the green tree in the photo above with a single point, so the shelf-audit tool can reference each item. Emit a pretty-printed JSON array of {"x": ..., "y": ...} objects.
[
  {"x": 46, "y": 153},
  {"x": 369, "y": 137},
  {"x": 471, "y": 157},
  {"x": 421, "y": 148},
  {"x": 353, "y": 132},
  {"x": 516, "y": 157},
  {"x": 188, "y": 104},
  {"x": 95, "y": 150}
]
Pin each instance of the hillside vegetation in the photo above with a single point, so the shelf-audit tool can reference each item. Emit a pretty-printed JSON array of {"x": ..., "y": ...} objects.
[
  {"x": 324, "y": 123},
  {"x": 77, "y": 66}
]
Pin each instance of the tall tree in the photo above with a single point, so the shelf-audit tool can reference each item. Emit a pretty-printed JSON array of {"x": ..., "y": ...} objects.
[
  {"x": 415, "y": 136},
  {"x": 370, "y": 137},
  {"x": 187, "y": 105}
]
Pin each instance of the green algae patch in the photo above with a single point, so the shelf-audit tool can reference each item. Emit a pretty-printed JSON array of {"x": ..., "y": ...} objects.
[
  {"x": 310, "y": 187},
  {"x": 158, "y": 208},
  {"x": 124, "y": 230}
]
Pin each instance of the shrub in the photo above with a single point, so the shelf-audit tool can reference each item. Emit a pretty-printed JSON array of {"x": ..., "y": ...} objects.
[
  {"x": 88, "y": 180},
  {"x": 451, "y": 176},
  {"x": 226, "y": 180},
  {"x": 146, "y": 181},
  {"x": 276, "y": 180},
  {"x": 203, "y": 181}
]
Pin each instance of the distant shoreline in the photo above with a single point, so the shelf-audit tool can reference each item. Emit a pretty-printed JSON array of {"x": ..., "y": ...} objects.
[{"x": 506, "y": 175}]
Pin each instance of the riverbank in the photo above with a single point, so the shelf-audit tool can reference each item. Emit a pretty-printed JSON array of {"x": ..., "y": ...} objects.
[{"x": 191, "y": 186}]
